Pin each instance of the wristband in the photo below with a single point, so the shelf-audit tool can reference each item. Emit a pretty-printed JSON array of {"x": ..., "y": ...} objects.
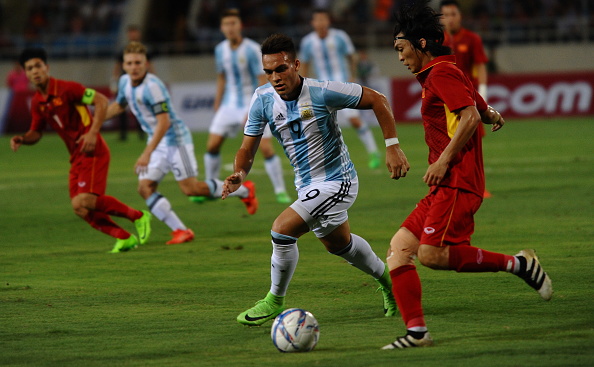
[{"x": 391, "y": 141}]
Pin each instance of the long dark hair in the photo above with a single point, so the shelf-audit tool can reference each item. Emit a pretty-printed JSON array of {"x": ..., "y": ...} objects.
[{"x": 418, "y": 20}]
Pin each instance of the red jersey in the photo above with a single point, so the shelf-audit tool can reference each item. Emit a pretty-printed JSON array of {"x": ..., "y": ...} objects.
[
  {"x": 469, "y": 51},
  {"x": 66, "y": 113},
  {"x": 445, "y": 90}
]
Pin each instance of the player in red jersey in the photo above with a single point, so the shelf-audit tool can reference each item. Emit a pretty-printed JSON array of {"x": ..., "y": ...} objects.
[
  {"x": 63, "y": 105},
  {"x": 469, "y": 51},
  {"x": 466, "y": 45},
  {"x": 438, "y": 230}
]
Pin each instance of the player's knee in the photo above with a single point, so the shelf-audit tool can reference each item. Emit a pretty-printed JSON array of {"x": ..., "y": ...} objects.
[
  {"x": 78, "y": 208},
  {"x": 403, "y": 249},
  {"x": 433, "y": 257}
]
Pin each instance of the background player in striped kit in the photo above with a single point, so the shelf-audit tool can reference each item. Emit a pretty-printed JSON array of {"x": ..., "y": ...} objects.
[
  {"x": 301, "y": 113},
  {"x": 239, "y": 72},
  {"x": 169, "y": 146},
  {"x": 332, "y": 55}
]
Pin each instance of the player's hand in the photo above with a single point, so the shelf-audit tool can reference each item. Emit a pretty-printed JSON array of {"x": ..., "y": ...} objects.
[
  {"x": 396, "y": 162},
  {"x": 142, "y": 163},
  {"x": 88, "y": 142},
  {"x": 498, "y": 124},
  {"x": 231, "y": 184},
  {"x": 16, "y": 142},
  {"x": 435, "y": 173}
]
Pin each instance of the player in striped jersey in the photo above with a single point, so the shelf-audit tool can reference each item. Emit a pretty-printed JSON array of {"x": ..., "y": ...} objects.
[
  {"x": 332, "y": 55},
  {"x": 301, "y": 114},
  {"x": 239, "y": 73},
  {"x": 169, "y": 146}
]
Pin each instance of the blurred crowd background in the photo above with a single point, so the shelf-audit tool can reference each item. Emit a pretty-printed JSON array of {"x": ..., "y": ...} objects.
[{"x": 96, "y": 28}]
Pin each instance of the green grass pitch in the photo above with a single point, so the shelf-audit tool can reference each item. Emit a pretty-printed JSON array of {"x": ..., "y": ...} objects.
[{"x": 64, "y": 301}]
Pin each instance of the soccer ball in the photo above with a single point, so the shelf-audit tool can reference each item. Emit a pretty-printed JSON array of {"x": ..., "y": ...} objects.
[{"x": 295, "y": 330}]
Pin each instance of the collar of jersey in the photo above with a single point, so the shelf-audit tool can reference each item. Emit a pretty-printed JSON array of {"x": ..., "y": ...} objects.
[{"x": 451, "y": 59}]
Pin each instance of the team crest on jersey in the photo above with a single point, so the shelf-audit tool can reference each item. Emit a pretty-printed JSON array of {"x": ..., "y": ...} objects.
[
  {"x": 57, "y": 101},
  {"x": 306, "y": 112}
]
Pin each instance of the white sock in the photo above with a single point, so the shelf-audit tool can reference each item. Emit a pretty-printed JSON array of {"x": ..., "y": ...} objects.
[
  {"x": 359, "y": 254},
  {"x": 212, "y": 165},
  {"x": 283, "y": 262},
  {"x": 216, "y": 189},
  {"x": 161, "y": 208},
  {"x": 275, "y": 173},
  {"x": 367, "y": 139}
]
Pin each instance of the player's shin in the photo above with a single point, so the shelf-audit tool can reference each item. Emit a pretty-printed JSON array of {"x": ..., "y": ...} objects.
[
  {"x": 359, "y": 254},
  {"x": 161, "y": 208},
  {"x": 285, "y": 255},
  {"x": 467, "y": 259}
]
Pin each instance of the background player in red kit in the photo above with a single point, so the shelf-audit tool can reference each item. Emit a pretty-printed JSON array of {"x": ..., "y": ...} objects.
[
  {"x": 438, "y": 230},
  {"x": 466, "y": 45},
  {"x": 63, "y": 105},
  {"x": 469, "y": 51}
]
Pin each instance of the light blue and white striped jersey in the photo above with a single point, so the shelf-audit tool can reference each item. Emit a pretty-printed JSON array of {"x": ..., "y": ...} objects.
[
  {"x": 328, "y": 55},
  {"x": 306, "y": 128},
  {"x": 147, "y": 100},
  {"x": 241, "y": 67}
]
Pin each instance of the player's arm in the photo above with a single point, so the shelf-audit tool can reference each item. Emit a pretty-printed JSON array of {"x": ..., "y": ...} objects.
[
  {"x": 114, "y": 109},
  {"x": 29, "y": 138},
  {"x": 118, "y": 106},
  {"x": 161, "y": 111},
  {"x": 395, "y": 159},
  {"x": 492, "y": 117},
  {"x": 100, "y": 101},
  {"x": 469, "y": 120},
  {"x": 481, "y": 70},
  {"x": 220, "y": 90},
  {"x": 244, "y": 159}
]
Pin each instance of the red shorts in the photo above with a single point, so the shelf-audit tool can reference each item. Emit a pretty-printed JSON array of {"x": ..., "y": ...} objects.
[
  {"x": 88, "y": 173},
  {"x": 445, "y": 217}
]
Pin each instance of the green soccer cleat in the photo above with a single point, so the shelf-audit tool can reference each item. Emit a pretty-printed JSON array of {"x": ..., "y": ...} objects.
[
  {"x": 374, "y": 160},
  {"x": 123, "y": 245},
  {"x": 385, "y": 285},
  {"x": 390, "y": 308},
  {"x": 264, "y": 310},
  {"x": 283, "y": 198},
  {"x": 200, "y": 199},
  {"x": 143, "y": 227}
]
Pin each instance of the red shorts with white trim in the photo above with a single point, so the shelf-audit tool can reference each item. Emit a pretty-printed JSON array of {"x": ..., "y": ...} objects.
[
  {"x": 444, "y": 217},
  {"x": 88, "y": 173}
]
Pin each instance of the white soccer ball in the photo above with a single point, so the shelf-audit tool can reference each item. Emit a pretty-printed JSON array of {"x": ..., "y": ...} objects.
[{"x": 295, "y": 330}]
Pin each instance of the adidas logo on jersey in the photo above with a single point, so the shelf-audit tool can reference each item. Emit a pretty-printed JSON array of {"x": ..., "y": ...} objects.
[{"x": 279, "y": 117}]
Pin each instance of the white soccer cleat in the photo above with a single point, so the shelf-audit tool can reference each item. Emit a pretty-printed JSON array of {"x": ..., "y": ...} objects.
[
  {"x": 408, "y": 341},
  {"x": 533, "y": 275}
]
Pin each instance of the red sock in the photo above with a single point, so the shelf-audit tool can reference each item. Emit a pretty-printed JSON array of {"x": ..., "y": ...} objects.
[
  {"x": 469, "y": 259},
  {"x": 112, "y": 206},
  {"x": 406, "y": 287},
  {"x": 102, "y": 222}
]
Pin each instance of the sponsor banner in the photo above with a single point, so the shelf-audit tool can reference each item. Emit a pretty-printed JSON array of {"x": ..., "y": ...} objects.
[
  {"x": 194, "y": 103},
  {"x": 515, "y": 96}
]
